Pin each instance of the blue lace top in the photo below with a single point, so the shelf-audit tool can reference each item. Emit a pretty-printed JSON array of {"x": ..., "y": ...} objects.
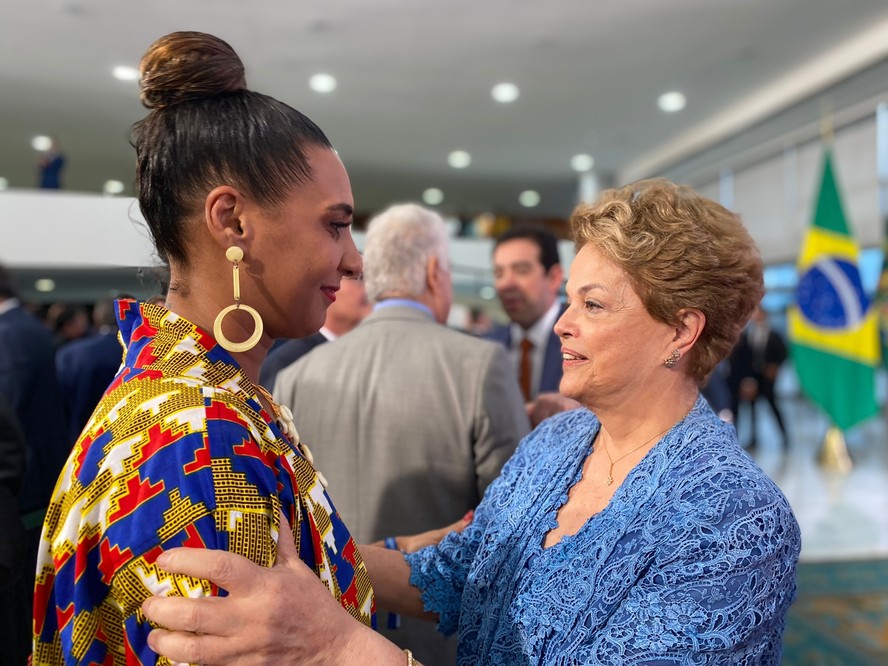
[{"x": 692, "y": 562}]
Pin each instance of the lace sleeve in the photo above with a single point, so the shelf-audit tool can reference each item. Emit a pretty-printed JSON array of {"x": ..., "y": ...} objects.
[
  {"x": 719, "y": 597},
  {"x": 440, "y": 571}
]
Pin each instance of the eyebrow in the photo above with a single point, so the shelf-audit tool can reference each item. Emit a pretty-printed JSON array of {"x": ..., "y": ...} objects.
[
  {"x": 344, "y": 207},
  {"x": 586, "y": 288}
]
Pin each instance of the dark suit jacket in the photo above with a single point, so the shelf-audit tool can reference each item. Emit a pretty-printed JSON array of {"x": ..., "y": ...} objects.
[
  {"x": 550, "y": 379},
  {"x": 28, "y": 379},
  {"x": 12, "y": 465},
  {"x": 85, "y": 368},
  {"x": 746, "y": 362},
  {"x": 285, "y": 354}
]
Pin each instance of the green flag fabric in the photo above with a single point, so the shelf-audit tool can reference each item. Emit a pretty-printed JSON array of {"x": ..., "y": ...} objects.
[{"x": 833, "y": 331}]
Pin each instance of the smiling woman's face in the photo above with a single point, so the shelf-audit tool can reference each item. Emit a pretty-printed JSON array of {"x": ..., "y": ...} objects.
[
  {"x": 612, "y": 345},
  {"x": 304, "y": 248}
]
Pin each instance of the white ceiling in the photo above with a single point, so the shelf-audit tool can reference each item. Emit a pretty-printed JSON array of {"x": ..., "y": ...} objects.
[{"x": 415, "y": 78}]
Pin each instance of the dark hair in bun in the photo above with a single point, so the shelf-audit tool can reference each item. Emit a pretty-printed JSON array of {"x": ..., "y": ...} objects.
[
  {"x": 188, "y": 65},
  {"x": 205, "y": 130}
]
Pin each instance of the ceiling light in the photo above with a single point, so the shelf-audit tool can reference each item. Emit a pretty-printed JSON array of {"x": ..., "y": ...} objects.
[
  {"x": 459, "y": 159},
  {"x": 505, "y": 92},
  {"x": 41, "y": 143},
  {"x": 3, "y": 183},
  {"x": 125, "y": 73},
  {"x": 44, "y": 285},
  {"x": 671, "y": 102},
  {"x": 112, "y": 187},
  {"x": 529, "y": 198},
  {"x": 582, "y": 162},
  {"x": 433, "y": 196},
  {"x": 322, "y": 83}
]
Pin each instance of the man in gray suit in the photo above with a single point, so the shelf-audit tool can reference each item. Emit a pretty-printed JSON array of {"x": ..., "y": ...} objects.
[{"x": 408, "y": 420}]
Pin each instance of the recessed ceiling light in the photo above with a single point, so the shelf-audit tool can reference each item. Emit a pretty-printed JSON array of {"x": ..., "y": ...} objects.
[
  {"x": 582, "y": 162},
  {"x": 3, "y": 183},
  {"x": 433, "y": 196},
  {"x": 529, "y": 198},
  {"x": 41, "y": 143},
  {"x": 44, "y": 285},
  {"x": 459, "y": 159},
  {"x": 671, "y": 102},
  {"x": 505, "y": 93},
  {"x": 112, "y": 187},
  {"x": 322, "y": 83},
  {"x": 125, "y": 73}
]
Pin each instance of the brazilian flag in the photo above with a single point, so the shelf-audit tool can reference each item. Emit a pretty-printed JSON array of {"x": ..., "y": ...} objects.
[{"x": 834, "y": 333}]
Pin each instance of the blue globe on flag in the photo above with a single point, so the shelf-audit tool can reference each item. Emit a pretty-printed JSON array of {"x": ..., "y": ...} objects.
[{"x": 830, "y": 294}]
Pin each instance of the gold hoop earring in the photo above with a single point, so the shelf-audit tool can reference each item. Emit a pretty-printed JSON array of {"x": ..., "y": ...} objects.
[
  {"x": 234, "y": 254},
  {"x": 673, "y": 359}
]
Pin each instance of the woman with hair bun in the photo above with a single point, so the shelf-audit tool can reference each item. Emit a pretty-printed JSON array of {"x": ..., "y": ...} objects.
[{"x": 250, "y": 206}]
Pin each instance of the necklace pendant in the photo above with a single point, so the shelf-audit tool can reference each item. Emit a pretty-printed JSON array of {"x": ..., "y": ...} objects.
[{"x": 610, "y": 480}]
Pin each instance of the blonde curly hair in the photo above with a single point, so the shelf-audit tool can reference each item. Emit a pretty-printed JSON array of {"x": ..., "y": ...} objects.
[{"x": 680, "y": 250}]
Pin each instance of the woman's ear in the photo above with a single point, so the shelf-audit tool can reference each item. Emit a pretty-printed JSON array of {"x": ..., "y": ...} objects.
[
  {"x": 224, "y": 216},
  {"x": 689, "y": 328}
]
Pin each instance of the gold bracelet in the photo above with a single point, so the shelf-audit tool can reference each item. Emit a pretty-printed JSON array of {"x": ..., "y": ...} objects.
[{"x": 410, "y": 660}]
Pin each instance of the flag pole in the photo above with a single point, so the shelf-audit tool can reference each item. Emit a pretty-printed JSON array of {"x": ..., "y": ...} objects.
[
  {"x": 827, "y": 131},
  {"x": 833, "y": 455}
]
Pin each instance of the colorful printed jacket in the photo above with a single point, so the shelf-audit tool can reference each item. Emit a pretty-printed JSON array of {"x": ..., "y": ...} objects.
[{"x": 179, "y": 452}]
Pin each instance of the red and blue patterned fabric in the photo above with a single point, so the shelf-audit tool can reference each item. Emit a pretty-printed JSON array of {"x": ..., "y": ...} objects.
[{"x": 179, "y": 452}]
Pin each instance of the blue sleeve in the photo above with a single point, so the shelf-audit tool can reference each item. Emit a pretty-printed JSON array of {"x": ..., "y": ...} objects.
[{"x": 440, "y": 572}]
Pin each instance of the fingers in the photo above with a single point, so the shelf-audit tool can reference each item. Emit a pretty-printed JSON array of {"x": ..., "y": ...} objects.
[
  {"x": 229, "y": 571},
  {"x": 459, "y": 525},
  {"x": 187, "y": 614},
  {"x": 188, "y": 648}
]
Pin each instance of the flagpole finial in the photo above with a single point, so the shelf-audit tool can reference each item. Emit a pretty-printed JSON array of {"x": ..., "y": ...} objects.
[
  {"x": 834, "y": 454},
  {"x": 826, "y": 121}
]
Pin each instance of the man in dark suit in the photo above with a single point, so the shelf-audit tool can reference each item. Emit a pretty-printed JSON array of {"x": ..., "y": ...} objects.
[
  {"x": 15, "y": 620},
  {"x": 528, "y": 277},
  {"x": 28, "y": 383},
  {"x": 85, "y": 368},
  {"x": 28, "y": 379},
  {"x": 346, "y": 312},
  {"x": 755, "y": 361}
]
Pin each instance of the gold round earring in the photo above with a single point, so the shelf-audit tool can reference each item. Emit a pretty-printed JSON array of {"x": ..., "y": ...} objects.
[
  {"x": 234, "y": 254},
  {"x": 673, "y": 359}
]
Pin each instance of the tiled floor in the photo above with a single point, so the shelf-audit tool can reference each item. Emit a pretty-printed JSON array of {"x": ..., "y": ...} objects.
[{"x": 842, "y": 516}]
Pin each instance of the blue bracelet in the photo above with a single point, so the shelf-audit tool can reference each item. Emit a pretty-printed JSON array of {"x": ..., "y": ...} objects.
[{"x": 393, "y": 620}]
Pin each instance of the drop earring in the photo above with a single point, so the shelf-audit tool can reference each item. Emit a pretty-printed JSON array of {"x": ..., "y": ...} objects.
[
  {"x": 673, "y": 359},
  {"x": 234, "y": 254}
]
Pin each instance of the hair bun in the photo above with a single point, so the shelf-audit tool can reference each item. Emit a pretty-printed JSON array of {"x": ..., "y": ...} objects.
[{"x": 184, "y": 66}]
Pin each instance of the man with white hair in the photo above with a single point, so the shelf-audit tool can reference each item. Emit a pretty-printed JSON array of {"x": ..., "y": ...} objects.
[{"x": 408, "y": 420}]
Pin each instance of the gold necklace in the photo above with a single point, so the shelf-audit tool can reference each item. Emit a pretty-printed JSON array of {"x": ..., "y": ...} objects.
[
  {"x": 284, "y": 418},
  {"x": 610, "y": 473}
]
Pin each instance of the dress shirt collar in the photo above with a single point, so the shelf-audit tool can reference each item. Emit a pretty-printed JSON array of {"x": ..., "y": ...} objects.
[{"x": 404, "y": 303}]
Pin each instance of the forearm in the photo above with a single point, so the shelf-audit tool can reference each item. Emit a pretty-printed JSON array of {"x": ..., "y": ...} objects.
[
  {"x": 390, "y": 577},
  {"x": 366, "y": 647}
]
